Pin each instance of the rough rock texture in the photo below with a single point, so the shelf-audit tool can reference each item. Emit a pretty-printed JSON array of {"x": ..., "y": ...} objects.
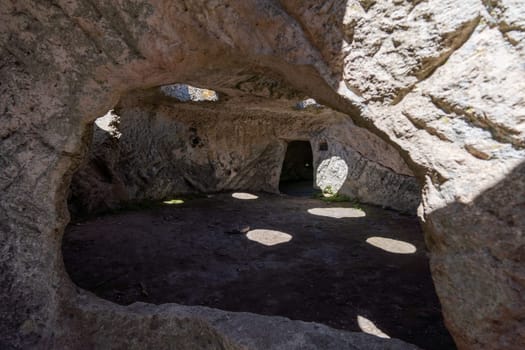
[
  {"x": 197, "y": 327},
  {"x": 438, "y": 80},
  {"x": 156, "y": 152}
]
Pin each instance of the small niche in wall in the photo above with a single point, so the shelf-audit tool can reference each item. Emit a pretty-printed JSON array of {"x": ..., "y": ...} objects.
[
  {"x": 195, "y": 140},
  {"x": 323, "y": 146}
]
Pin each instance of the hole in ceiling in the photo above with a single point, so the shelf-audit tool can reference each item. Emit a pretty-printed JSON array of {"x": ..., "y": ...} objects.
[{"x": 188, "y": 93}]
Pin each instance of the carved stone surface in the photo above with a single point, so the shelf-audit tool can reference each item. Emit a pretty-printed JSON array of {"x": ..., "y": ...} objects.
[
  {"x": 152, "y": 152},
  {"x": 440, "y": 81}
]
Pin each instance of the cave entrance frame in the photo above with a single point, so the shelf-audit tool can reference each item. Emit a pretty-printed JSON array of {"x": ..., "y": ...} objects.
[
  {"x": 297, "y": 176},
  {"x": 63, "y": 300},
  {"x": 54, "y": 301},
  {"x": 51, "y": 99}
]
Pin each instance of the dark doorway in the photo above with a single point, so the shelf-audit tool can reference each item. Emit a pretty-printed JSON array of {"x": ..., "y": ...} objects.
[{"x": 297, "y": 173}]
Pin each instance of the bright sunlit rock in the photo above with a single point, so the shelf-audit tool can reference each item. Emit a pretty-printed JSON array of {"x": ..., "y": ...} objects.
[
  {"x": 337, "y": 213},
  {"x": 369, "y": 327},
  {"x": 268, "y": 237},
  {"x": 331, "y": 173},
  {"x": 109, "y": 123},
  {"x": 392, "y": 245},
  {"x": 243, "y": 195},
  {"x": 187, "y": 93}
]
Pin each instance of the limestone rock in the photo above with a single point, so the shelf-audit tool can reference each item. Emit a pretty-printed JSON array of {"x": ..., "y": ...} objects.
[
  {"x": 439, "y": 81},
  {"x": 185, "y": 93},
  {"x": 173, "y": 149},
  {"x": 190, "y": 327}
]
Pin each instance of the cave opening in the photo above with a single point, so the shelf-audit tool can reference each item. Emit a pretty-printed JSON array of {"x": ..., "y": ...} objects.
[
  {"x": 297, "y": 173},
  {"x": 201, "y": 223},
  {"x": 403, "y": 70}
]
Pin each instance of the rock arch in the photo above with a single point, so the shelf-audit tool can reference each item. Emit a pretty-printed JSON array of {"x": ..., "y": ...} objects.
[{"x": 64, "y": 63}]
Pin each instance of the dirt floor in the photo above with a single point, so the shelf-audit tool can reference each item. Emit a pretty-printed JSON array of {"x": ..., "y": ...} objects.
[{"x": 274, "y": 255}]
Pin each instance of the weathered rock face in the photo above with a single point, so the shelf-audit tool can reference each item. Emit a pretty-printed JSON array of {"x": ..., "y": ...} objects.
[
  {"x": 441, "y": 81},
  {"x": 155, "y": 152}
]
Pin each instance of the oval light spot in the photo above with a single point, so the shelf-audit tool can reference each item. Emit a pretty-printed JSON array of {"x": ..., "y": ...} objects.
[
  {"x": 332, "y": 172},
  {"x": 243, "y": 195},
  {"x": 174, "y": 201},
  {"x": 369, "y": 327},
  {"x": 392, "y": 245},
  {"x": 337, "y": 213},
  {"x": 268, "y": 237}
]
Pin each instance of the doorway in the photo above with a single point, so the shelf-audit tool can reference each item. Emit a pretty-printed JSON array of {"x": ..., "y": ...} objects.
[{"x": 297, "y": 172}]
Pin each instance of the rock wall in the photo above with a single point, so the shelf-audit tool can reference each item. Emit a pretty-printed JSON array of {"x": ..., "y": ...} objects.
[
  {"x": 441, "y": 81},
  {"x": 152, "y": 152}
]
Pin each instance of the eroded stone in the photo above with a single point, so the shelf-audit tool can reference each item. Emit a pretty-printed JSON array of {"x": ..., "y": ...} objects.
[{"x": 62, "y": 66}]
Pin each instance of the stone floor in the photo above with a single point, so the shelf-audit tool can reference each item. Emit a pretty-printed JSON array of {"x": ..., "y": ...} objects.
[{"x": 356, "y": 268}]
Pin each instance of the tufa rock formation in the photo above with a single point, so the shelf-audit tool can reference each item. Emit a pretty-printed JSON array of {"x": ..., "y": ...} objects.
[
  {"x": 156, "y": 148},
  {"x": 442, "y": 82}
]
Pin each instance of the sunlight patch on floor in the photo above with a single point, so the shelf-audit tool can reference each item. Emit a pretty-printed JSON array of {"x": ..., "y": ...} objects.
[
  {"x": 392, "y": 245},
  {"x": 268, "y": 237},
  {"x": 174, "y": 201},
  {"x": 243, "y": 195},
  {"x": 369, "y": 327},
  {"x": 338, "y": 213}
]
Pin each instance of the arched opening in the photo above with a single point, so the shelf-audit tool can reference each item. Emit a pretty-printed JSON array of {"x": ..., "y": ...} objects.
[
  {"x": 177, "y": 234},
  {"x": 297, "y": 173},
  {"x": 61, "y": 64}
]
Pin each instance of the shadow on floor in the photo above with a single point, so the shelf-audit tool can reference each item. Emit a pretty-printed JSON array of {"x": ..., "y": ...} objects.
[
  {"x": 298, "y": 188},
  {"x": 204, "y": 252}
]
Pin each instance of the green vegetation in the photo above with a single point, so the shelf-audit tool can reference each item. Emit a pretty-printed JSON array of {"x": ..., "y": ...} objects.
[
  {"x": 334, "y": 198},
  {"x": 328, "y": 195}
]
